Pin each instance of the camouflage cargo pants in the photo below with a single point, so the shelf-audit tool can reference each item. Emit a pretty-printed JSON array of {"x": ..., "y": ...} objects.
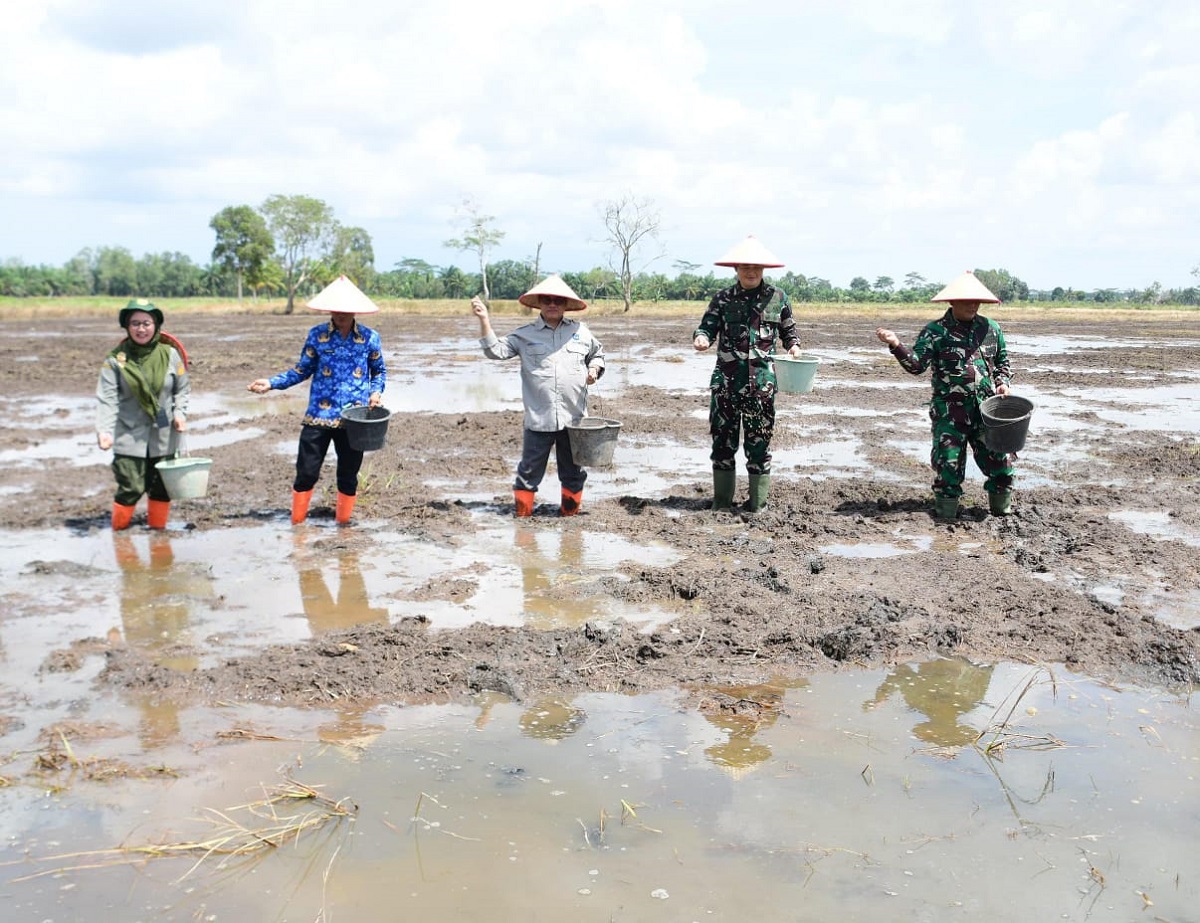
[
  {"x": 958, "y": 425},
  {"x": 733, "y": 418}
]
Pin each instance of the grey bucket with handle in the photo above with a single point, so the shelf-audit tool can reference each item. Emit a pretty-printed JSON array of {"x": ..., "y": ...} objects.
[
  {"x": 1005, "y": 422},
  {"x": 593, "y": 441},
  {"x": 366, "y": 427}
]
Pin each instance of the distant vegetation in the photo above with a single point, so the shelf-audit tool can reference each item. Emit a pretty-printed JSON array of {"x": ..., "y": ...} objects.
[{"x": 292, "y": 246}]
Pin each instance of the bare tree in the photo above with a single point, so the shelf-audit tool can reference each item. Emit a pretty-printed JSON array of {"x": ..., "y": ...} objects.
[
  {"x": 478, "y": 235},
  {"x": 535, "y": 265},
  {"x": 628, "y": 222}
]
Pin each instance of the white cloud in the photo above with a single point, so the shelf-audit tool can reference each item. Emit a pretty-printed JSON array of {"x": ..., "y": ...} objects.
[{"x": 995, "y": 131}]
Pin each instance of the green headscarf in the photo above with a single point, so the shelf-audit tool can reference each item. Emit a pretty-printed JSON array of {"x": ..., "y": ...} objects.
[{"x": 144, "y": 367}]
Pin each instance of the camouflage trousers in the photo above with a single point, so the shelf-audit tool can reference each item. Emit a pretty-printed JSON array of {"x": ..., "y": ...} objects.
[
  {"x": 958, "y": 425},
  {"x": 732, "y": 418}
]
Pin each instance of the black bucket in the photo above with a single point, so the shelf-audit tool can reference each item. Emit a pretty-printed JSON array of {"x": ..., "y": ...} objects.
[
  {"x": 1005, "y": 422},
  {"x": 366, "y": 427}
]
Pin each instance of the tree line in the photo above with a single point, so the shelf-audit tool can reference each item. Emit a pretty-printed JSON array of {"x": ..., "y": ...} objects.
[{"x": 292, "y": 246}]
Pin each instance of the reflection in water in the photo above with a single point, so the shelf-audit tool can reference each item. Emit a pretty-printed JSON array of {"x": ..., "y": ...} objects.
[
  {"x": 350, "y": 607},
  {"x": 942, "y": 690},
  {"x": 156, "y": 599},
  {"x": 541, "y": 573},
  {"x": 351, "y": 732},
  {"x": 741, "y": 712},
  {"x": 552, "y": 718}
]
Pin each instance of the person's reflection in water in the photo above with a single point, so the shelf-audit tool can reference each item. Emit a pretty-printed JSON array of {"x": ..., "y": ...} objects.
[
  {"x": 350, "y": 607},
  {"x": 542, "y": 574},
  {"x": 741, "y": 713},
  {"x": 351, "y": 732},
  {"x": 943, "y": 691},
  {"x": 552, "y": 718},
  {"x": 155, "y": 600}
]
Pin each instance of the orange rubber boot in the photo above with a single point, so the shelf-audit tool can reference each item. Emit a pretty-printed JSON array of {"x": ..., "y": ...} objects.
[
  {"x": 122, "y": 516},
  {"x": 157, "y": 512},
  {"x": 524, "y": 501},
  {"x": 345, "y": 506},
  {"x": 300, "y": 501},
  {"x": 571, "y": 501}
]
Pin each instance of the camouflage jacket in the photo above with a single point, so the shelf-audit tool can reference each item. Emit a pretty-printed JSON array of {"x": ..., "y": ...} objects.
[
  {"x": 744, "y": 325},
  {"x": 968, "y": 360}
]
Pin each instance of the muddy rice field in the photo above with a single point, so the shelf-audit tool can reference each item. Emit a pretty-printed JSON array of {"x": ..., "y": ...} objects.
[{"x": 435, "y": 598}]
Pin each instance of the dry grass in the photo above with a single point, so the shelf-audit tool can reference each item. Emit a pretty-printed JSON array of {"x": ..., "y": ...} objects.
[
  {"x": 43, "y": 308},
  {"x": 238, "y": 831}
]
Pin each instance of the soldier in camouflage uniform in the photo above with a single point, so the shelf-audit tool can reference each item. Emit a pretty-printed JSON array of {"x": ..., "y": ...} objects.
[
  {"x": 745, "y": 320},
  {"x": 970, "y": 363}
]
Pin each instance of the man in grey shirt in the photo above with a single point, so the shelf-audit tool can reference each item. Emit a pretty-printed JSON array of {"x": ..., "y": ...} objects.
[{"x": 559, "y": 359}]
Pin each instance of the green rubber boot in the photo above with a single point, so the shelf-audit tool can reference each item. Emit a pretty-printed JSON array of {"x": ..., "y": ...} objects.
[
  {"x": 724, "y": 484},
  {"x": 1000, "y": 503},
  {"x": 760, "y": 486},
  {"x": 945, "y": 507}
]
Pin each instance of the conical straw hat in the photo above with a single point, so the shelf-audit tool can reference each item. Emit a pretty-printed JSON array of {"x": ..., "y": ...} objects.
[
  {"x": 341, "y": 296},
  {"x": 966, "y": 288},
  {"x": 552, "y": 285},
  {"x": 750, "y": 253}
]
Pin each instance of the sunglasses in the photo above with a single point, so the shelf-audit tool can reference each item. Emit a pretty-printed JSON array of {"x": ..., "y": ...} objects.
[{"x": 553, "y": 300}]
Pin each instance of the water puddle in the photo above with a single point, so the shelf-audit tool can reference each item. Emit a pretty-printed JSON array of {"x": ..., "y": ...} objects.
[
  {"x": 934, "y": 790},
  {"x": 1157, "y": 525},
  {"x": 904, "y": 544}
]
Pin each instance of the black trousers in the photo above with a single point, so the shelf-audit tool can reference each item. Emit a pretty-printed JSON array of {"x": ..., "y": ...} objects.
[{"x": 310, "y": 455}]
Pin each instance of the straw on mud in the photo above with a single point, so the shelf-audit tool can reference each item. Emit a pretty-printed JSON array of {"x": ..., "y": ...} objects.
[
  {"x": 1001, "y": 734},
  {"x": 233, "y": 837}
]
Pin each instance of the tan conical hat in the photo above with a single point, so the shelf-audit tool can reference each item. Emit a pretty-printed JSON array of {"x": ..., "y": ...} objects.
[
  {"x": 750, "y": 252},
  {"x": 341, "y": 296},
  {"x": 966, "y": 288},
  {"x": 552, "y": 285}
]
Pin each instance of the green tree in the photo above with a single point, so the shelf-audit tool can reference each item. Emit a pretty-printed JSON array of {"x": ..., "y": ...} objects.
[
  {"x": 860, "y": 288},
  {"x": 884, "y": 286},
  {"x": 244, "y": 243},
  {"x": 628, "y": 223},
  {"x": 1003, "y": 284},
  {"x": 353, "y": 255},
  {"x": 301, "y": 227},
  {"x": 479, "y": 237},
  {"x": 115, "y": 271}
]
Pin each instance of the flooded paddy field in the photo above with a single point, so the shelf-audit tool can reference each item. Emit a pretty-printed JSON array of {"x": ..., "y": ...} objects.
[{"x": 837, "y": 709}]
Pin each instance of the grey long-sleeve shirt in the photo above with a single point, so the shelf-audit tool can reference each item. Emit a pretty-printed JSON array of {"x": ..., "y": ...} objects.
[
  {"x": 554, "y": 369},
  {"x": 119, "y": 413}
]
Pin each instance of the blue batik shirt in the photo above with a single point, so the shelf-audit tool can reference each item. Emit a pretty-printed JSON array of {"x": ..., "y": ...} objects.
[{"x": 345, "y": 371}]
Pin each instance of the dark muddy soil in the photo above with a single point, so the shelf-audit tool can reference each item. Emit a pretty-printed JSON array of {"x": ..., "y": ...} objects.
[{"x": 760, "y": 600}]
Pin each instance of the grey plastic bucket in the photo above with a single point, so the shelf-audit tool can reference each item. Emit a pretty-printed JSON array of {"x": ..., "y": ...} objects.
[
  {"x": 796, "y": 376},
  {"x": 186, "y": 478},
  {"x": 366, "y": 427},
  {"x": 1005, "y": 422},
  {"x": 593, "y": 441}
]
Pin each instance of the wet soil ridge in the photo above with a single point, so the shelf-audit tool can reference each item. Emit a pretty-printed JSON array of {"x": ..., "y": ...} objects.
[{"x": 1060, "y": 581}]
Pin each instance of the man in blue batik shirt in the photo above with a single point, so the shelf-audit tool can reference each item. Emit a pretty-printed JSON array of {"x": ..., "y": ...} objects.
[{"x": 344, "y": 359}]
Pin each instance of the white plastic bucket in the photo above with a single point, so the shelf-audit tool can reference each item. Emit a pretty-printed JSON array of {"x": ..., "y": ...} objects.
[
  {"x": 796, "y": 376},
  {"x": 185, "y": 478}
]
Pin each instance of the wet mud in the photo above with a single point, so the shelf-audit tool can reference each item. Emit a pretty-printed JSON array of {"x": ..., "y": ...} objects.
[{"x": 1062, "y": 580}]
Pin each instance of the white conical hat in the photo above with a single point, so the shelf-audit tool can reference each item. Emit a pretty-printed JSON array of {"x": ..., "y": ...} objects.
[
  {"x": 341, "y": 296},
  {"x": 553, "y": 285},
  {"x": 966, "y": 288},
  {"x": 750, "y": 252}
]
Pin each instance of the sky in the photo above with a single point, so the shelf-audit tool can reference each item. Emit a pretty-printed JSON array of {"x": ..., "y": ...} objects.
[{"x": 1057, "y": 140}]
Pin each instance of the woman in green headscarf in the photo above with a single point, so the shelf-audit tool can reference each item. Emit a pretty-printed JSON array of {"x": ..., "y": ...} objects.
[{"x": 142, "y": 403}]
